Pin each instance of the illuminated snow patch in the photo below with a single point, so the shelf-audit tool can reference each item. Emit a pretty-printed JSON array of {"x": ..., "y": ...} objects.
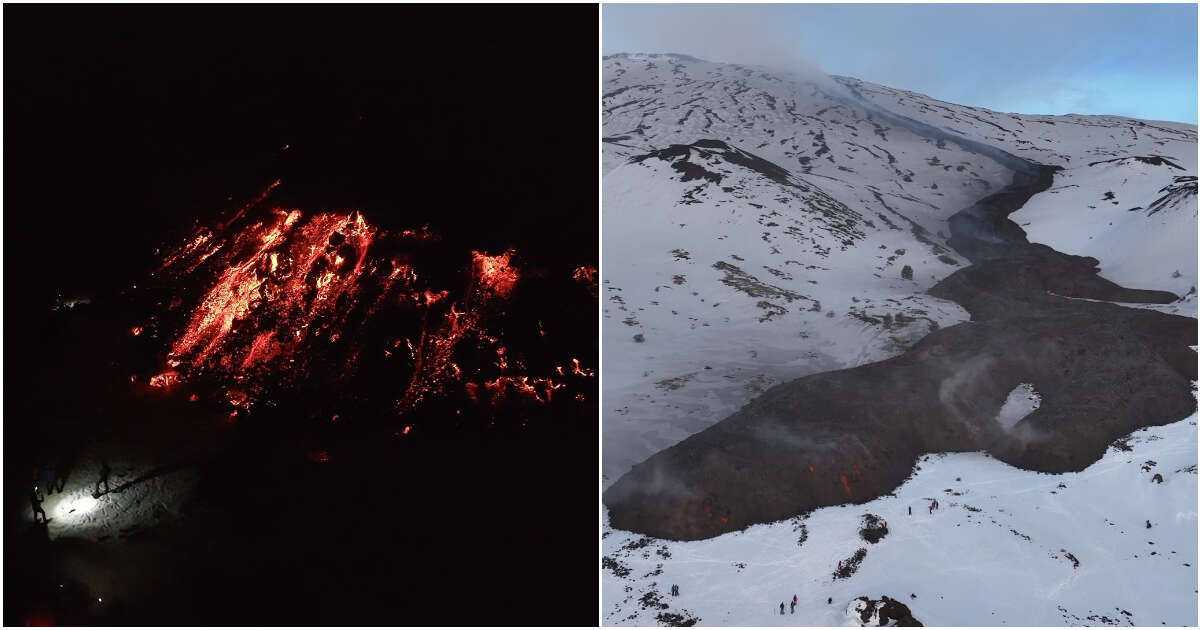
[
  {"x": 75, "y": 508},
  {"x": 1022, "y": 401},
  {"x": 141, "y": 496}
]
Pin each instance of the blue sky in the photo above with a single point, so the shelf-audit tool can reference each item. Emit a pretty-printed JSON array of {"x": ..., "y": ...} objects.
[{"x": 1135, "y": 60}]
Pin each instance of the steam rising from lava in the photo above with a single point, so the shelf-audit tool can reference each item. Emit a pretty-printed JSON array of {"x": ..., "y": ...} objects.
[{"x": 282, "y": 298}]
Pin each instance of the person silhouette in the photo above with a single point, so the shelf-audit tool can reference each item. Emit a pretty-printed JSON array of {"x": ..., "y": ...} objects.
[
  {"x": 37, "y": 506},
  {"x": 781, "y": 608},
  {"x": 48, "y": 479},
  {"x": 104, "y": 472}
]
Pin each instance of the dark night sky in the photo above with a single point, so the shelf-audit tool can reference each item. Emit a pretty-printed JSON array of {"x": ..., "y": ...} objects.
[{"x": 127, "y": 123}]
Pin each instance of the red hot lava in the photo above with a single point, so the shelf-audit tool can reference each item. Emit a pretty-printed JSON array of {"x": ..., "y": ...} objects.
[
  {"x": 166, "y": 379},
  {"x": 586, "y": 275},
  {"x": 284, "y": 287},
  {"x": 495, "y": 273},
  {"x": 296, "y": 272}
]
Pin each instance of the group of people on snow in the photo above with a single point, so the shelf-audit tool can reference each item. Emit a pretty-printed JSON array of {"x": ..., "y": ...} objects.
[
  {"x": 796, "y": 600},
  {"x": 46, "y": 478},
  {"x": 782, "y": 605}
]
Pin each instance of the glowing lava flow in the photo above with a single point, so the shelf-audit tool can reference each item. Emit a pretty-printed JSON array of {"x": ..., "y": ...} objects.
[
  {"x": 288, "y": 298},
  {"x": 495, "y": 273},
  {"x": 284, "y": 283},
  {"x": 586, "y": 275},
  {"x": 492, "y": 277},
  {"x": 166, "y": 379},
  {"x": 492, "y": 281}
]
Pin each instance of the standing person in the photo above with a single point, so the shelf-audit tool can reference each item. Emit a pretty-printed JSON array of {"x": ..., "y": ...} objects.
[
  {"x": 910, "y": 510},
  {"x": 37, "y": 506},
  {"x": 48, "y": 478},
  {"x": 104, "y": 471},
  {"x": 793, "y": 605},
  {"x": 781, "y": 608},
  {"x": 931, "y": 507}
]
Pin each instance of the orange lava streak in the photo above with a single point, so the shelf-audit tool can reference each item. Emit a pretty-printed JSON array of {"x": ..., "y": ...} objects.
[
  {"x": 495, "y": 273},
  {"x": 261, "y": 350},
  {"x": 586, "y": 275},
  {"x": 432, "y": 364},
  {"x": 423, "y": 234},
  {"x": 191, "y": 247},
  {"x": 253, "y": 202},
  {"x": 539, "y": 389},
  {"x": 282, "y": 274},
  {"x": 492, "y": 277},
  {"x": 433, "y": 298},
  {"x": 166, "y": 379},
  {"x": 580, "y": 371}
]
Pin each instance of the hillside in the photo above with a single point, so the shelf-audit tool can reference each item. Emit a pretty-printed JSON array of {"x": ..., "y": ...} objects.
[{"x": 812, "y": 284}]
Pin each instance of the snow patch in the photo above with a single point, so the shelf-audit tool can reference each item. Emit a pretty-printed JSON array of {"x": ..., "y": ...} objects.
[
  {"x": 1022, "y": 401},
  {"x": 141, "y": 495},
  {"x": 1001, "y": 549}
]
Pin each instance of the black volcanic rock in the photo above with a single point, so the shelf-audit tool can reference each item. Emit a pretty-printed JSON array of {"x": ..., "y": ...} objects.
[
  {"x": 873, "y": 529},
  {"x": 890, "y": 612},
  {"x": 680, "y": 155}
]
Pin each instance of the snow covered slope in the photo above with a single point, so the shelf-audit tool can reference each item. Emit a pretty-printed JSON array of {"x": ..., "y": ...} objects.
[
  {"x": 760, "y": 226},
  {"x": 1005, "y": 547},
  {"x": 1126, "y": 196}
]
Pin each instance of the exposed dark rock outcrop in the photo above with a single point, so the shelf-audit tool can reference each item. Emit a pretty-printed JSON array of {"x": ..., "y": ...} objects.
[
  {"x": 849, "y": 566},
  {"x": 884, "y": 612},
  {"x": 873, "y": 528},
  {"x": 679, "y": 155}
]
